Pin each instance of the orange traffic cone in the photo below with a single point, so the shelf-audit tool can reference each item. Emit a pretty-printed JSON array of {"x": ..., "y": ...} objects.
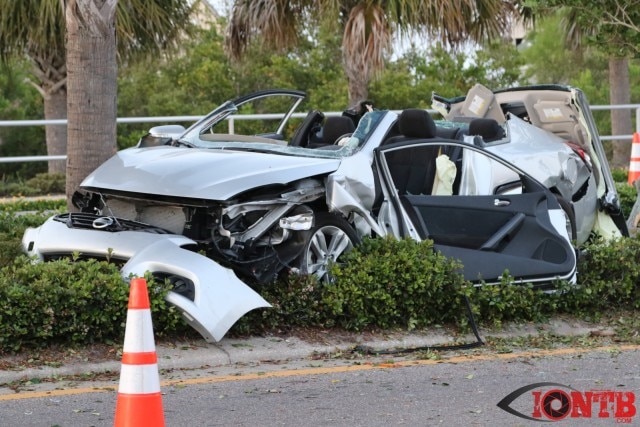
[
  {"x": 139, "y": 400},
  {"x": 634, "y": 163}
]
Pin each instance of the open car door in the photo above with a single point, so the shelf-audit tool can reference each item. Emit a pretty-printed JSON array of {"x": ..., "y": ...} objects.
[{"x": 476, "y": 208}]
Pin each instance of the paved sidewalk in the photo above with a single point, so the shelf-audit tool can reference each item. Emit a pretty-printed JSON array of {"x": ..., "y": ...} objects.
[{"x": 232, "y": 352}]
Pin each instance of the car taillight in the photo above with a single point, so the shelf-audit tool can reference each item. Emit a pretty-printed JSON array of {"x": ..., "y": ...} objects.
[{"x": 580, "y": 152}]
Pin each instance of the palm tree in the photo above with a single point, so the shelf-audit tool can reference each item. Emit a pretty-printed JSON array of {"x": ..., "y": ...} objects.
[
  {"x": 91, "y": 87},
  {"x": 36, "y": 29},
  {"x": 367, "y": 27}
]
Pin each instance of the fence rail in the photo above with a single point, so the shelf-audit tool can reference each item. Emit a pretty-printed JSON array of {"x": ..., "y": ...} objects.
[{"x": 232, "y": 119}]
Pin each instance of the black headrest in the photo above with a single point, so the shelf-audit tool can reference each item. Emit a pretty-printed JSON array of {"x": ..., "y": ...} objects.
[
  {"x": 488, "y": 129},
  {"x": 335, "y": 127},
  {"x": 306, "y": 129},
  {"x": 416, "y": 123}
]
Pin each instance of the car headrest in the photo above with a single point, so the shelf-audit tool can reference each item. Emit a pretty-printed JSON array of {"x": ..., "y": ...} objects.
[
  {"x": 488, "y": 129},
  {"x": 416, "y": 123},
  {"x": 335, "y": 127}
]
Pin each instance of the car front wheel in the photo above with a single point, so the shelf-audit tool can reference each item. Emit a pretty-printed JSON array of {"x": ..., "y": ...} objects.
[{"x": 331, "y": 237}]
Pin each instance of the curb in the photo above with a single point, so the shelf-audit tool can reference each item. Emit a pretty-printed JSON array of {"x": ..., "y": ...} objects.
[{"x": 234, "y": 352}]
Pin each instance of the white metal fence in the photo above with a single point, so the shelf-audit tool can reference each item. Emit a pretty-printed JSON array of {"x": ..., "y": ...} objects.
[{"x": 232, "y": 119}]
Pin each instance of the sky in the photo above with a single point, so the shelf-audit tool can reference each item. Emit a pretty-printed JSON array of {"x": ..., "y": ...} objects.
[{"x": 221, "y": 6}]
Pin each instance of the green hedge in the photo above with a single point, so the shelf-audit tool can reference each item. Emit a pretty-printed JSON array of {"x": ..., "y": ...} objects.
[
  {"x": 42, "y": 183},
  {"x": 11, "y": 230},
  {"x": 627, "y": 195},
  {"x": 387, "y": 283},
  {"x": 390, "y": 283},
  {"x": 384, "y": 283},
  {"x": 74, "y": 302}
]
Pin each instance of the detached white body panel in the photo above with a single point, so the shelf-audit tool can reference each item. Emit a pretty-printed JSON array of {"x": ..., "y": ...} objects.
[{"x": 219, "y": 297}]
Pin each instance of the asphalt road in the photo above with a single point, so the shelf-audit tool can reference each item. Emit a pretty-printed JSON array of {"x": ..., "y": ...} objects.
[{"x": 461, "y": 389}]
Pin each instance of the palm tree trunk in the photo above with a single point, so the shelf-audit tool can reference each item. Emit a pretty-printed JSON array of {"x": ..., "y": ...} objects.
[
  {"x": 358, "y": 90},
  {"x": 358, "y": 79},
  {"x": 91, "y": 88},
  {"x": 55, "y": 107},
  {"x": 620, "y": 93},
  {"x": 51, "y": 74}
]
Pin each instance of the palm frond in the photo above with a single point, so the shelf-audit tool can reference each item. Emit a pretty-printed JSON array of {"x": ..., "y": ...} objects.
[
  {"x": 577, "y": 28},
  {"x": 454, "y": 21},
  {"x": 144, "y": 26},
  {"x": 367, "y": 36},
  {"x": 37, "y": 27},
  {"x": 276, "y": 22}
]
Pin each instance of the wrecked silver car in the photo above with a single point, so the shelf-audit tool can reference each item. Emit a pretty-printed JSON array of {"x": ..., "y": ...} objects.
[
  {"x": 549, "y": 132},
  {"x": 491, "y": 184}
]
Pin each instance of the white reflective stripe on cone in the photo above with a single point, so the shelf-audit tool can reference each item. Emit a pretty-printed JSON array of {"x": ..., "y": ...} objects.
[
  {"x": 634, "y": 165},
  {"x": 139, "y": 379},
  {"x": 138, "y": 335},
  {"x": 635, "y": 150}
]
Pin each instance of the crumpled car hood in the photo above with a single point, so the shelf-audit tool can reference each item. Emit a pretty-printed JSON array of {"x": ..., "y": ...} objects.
[{"x": 200, "y": 173}]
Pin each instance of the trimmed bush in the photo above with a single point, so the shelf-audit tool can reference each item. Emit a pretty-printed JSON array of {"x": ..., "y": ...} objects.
[
  {"x": 42, "y": 183},
  {"x": 12, "y": 228},
  {"x": 620, "y": 174},
  {"x": 608, "y": 276},
  {"x": 70, "y": 303},
  {"x": 40, "y": 207},
  {"x": 507, "y": 301},
  {"x": 296, "y": 302},
  {"x": 627, "y": 195},
  {"x": 394, "y": 283},
  {"x": 48, "y": 183},
  {"x": 383, "y": 283}
]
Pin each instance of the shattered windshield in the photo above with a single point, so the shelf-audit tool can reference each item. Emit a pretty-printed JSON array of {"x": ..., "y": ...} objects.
[{"x": 346, "y": 147}]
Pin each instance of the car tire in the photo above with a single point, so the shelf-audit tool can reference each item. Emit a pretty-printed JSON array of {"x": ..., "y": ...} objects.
[
  {"x": 570, "y": 217},
  {"x": 330, "y": 238}
]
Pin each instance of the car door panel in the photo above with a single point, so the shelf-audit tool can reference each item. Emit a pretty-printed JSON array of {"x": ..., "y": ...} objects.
[
  {"x": 488, "y": 233},
  {"x": 490, "y": 239}
]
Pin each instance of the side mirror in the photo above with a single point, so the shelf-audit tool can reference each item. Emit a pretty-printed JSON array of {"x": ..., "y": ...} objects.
[{"x": 160, "y": 135}]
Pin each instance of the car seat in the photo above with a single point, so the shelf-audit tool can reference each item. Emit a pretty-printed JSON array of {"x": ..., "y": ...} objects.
[
  {"x": 413, "y": 124},
  {"x": 301, "y": 137},
  {"x": 489, "y": 129},
  {"x": 335, "y": 128}
]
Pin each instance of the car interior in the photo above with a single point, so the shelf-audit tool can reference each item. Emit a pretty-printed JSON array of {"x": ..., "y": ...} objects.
[
  {"x": 549, "y": 109},
  {"x": 484, "y": 231}
]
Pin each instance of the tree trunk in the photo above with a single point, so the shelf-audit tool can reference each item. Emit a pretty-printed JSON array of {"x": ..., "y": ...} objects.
[
  {"x": 55, "y": 107},
  {"x": 91, "y": 88},
  {"x": 358, "y": 90},
  {"x": 619, "y": 93},
  {"x": 358, "y": 75},
  {"x": 51, "y": 73}
]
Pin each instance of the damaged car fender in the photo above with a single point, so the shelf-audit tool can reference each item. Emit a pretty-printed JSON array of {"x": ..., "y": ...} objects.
[{"x": 352, "y": 189}]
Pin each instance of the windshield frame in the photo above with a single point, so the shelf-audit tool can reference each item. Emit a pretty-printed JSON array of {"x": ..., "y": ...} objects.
[
  {"x": 228, "y": 108},
  {"x": 197, "y": 137}
]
